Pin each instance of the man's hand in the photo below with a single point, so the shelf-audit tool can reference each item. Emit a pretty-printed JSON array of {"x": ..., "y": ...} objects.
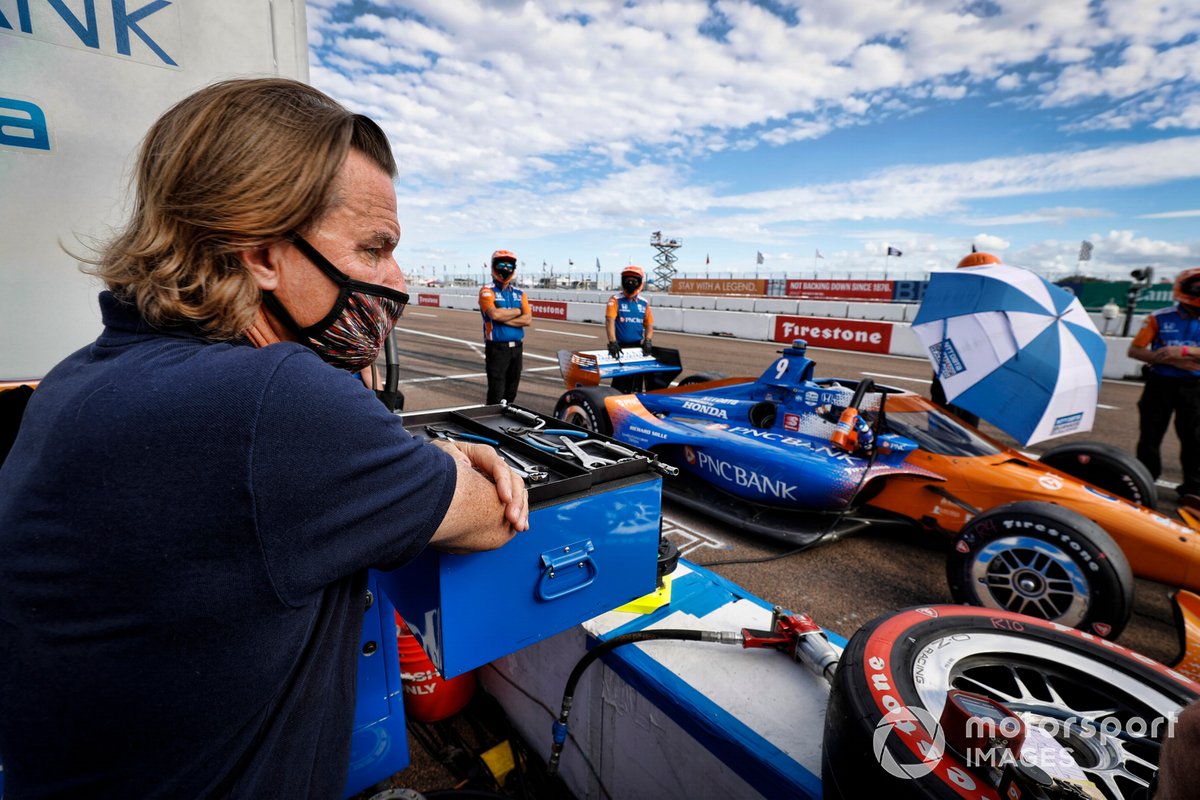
[
  {"x": 510, "y": 488},
  {"x": 1179, "y": 356},
  {"x": 647, "y": 346},
  {"x": 614, "y": 349}
]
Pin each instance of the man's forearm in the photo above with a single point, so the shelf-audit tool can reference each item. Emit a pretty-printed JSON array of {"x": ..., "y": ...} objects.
[{"x": 505, "y": 315}]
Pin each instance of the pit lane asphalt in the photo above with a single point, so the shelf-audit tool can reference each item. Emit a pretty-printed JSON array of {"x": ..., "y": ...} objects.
[{"x": 842, "y": 584}]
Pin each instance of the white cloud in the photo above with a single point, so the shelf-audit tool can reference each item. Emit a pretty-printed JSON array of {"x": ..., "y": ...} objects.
[
  {"x": 991, "y": 244},
  {"x": 1194, "y": 212},
  {"x": 1042, "y": 216},
  {"x": 544, "y": 118},
  {"x": 543, "y": 72}
]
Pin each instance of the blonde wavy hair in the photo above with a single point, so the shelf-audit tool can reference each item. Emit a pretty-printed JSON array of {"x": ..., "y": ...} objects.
[{"x": 232, "y": 167}]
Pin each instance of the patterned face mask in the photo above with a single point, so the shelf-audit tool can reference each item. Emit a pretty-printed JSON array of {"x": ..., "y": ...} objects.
[{"x": 351, "y": 335}]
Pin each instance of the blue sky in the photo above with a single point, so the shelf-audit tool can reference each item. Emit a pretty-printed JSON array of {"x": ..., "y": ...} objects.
[{"x": 569, "y": 130}]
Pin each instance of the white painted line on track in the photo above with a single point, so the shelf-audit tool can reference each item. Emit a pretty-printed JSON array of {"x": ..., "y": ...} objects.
[
  {"x": 465, "y": 375},
  {"x": 688, "y": 540},
  {"x": 420, "y": 314},
  {"x": 925, "y": 381},
  {"x": 468, "y": 342},
  {"x": 565, "y": 333}
]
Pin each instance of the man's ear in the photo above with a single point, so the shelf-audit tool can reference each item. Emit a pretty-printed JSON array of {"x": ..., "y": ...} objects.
[{"x": 261, "y": 264}]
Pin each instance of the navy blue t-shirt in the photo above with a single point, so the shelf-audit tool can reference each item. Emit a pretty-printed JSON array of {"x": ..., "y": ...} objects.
[{"x": 185, "y": 528}]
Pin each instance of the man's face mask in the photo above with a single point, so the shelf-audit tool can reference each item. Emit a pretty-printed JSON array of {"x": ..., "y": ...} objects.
[
  {"x": 351, "y": 335},
  {"x": 504, "y": 270},
  {"x": 631, "y": 284}
]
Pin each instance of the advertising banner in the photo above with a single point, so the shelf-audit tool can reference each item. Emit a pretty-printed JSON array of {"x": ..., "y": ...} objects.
[
  {"x": 908, "y": 291},
  {"x": 840, "y": 334},
  {"x": 1094, "y": 294},
  {"x": 433, "y": 300},
  {"x": 548, "y": 309},
  {"x": 719, "y": 286},
  {"x": 841, "y": 290}
]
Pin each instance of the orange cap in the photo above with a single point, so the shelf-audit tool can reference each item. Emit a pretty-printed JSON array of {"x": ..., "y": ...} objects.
[
  {"x": 978, "y": 260},
  {"x": 632, "y": 270},
  {"x": 1187, "y": 287}
]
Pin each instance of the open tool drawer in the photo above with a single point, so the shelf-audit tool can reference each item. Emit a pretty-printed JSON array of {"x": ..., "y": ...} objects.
[{"x": 592, "y": 545}]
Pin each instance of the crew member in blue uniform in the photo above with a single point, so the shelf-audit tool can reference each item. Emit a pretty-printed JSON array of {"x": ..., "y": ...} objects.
[
  {"x": 629, "y": 323},
  {"x": 1169, "y": 341},
  {"x": 506, "y": 314},
  {"x": 627, "y": 318}
]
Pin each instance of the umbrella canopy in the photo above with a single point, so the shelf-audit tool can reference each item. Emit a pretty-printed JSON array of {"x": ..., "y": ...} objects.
[{"x": 1013, "y": 348}]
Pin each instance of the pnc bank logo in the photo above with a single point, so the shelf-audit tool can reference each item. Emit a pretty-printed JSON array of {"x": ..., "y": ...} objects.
[{"x": 148, "y": 32}]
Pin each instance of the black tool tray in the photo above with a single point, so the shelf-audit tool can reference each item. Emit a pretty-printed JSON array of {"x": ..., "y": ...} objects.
[{"x": 567, "y": 475}]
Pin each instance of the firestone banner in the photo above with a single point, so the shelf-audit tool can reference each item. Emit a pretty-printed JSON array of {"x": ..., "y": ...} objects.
[
  {"x": 434, "y": 300},
  {"x": 548, "y": 309},
  {"x": 719, "y": 286},
  {"x": 841, "y": 290},
  {"x": 840, "y": 334}
]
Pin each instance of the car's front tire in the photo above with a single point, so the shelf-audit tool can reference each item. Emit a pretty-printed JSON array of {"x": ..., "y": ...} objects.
[
  {"x": 583, "y": 407},
  {"x": 1110, "y": 468},
  {"x": 1045, "y": 561}
]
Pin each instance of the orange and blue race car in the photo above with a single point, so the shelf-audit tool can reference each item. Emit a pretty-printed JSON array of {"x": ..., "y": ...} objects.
[{"x": 808, "y": 459}]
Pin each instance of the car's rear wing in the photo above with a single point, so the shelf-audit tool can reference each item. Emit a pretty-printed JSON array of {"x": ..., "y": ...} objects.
[{"x": 590, "y": 367}]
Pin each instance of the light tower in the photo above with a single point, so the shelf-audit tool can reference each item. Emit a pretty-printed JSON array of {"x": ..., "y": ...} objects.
[{"x": 665, "y": 259}]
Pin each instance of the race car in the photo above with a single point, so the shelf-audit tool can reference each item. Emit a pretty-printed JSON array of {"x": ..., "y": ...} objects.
[{"x": 808, "y": 460}]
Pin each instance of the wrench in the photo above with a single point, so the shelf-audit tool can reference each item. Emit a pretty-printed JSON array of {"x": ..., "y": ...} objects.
[
  {"x": 613, "y": 447},
  {"x": 535, "y": 472},
  {"x": 588, "y": 461}
]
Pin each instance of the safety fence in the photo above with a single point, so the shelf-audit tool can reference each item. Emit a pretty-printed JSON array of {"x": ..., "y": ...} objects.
[{"x": 867, "y": 327}]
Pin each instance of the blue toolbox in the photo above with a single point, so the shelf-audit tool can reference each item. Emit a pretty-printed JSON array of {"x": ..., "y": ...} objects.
[
  {"x": 592, "y": 543},
  {"x": 379, "y": 742}
]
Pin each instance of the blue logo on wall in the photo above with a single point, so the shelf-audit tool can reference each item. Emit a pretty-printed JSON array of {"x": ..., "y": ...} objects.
[
  {"x": 53, "y": 22},
  {"x": 23, "y": 124}
]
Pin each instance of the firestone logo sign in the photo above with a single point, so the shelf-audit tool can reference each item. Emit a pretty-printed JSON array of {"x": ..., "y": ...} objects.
[
  {"x": 548, "y": 309},
  {"x": 434, "y": 300},
  {"x": 840, "y": 334}
]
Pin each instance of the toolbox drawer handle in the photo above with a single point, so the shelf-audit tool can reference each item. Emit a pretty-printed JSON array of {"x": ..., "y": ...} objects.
[{"x": 561, "y": 570}]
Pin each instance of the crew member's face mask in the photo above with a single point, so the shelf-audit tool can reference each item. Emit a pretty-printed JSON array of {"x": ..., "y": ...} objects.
[
  {"x": 504, "y": 271},
  {"x": 351, "y": 335},
  {"x": 631, "y": 284}
]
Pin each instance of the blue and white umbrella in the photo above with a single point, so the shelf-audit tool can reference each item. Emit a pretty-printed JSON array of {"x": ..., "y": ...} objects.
[{"x": 1013, "y": 348}]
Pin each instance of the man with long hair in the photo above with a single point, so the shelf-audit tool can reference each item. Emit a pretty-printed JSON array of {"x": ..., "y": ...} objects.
[{"x": 192, "y": 502}]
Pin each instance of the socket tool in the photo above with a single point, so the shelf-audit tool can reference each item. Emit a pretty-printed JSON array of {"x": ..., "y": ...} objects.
[{"x": 535, "y": 472}]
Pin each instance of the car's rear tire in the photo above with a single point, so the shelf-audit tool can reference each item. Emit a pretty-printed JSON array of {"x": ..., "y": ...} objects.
[
  {"x": 1107, "y": 467},
  {"x": 1046, "y": 561},
  {"x": 701, "y": 377},
  {"x": 583, "y": 407},
  {"x": 897, "y": 669}
]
